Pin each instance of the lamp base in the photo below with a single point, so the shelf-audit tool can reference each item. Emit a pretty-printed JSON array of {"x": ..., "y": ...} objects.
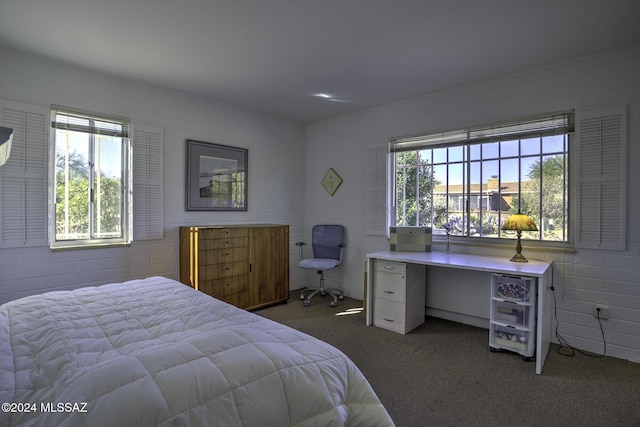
[{"x": 519, "y": 258}]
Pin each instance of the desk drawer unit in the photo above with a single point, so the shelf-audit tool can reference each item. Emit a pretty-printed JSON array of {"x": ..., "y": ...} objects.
[
  {"x": 513, "y": 314},
  {"x": 398, "y": 295}
]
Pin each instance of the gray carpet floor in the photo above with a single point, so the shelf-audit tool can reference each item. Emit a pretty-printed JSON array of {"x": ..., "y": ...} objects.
[{"x": 443, "y": 374}]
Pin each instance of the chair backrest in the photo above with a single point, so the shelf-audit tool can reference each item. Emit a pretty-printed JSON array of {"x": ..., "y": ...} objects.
[{"x": 326, "y": 241}]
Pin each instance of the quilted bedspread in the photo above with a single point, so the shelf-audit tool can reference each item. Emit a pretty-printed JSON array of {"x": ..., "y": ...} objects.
[{"x": 155, "y": 352}]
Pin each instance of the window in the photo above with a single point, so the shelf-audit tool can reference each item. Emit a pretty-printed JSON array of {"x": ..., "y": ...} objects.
[
  {"x": 91, "y": 179},
  {"x": 29, "y": 173},
  {"x": 474, "y": 178}
]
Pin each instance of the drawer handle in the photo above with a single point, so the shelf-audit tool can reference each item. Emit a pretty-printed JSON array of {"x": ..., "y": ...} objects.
[
  {"x": 389, "y": 292},
  {"x": 225, "y": 254},
  {"x": 388, "y": 320},
  {"x": 386, "y": 267}
]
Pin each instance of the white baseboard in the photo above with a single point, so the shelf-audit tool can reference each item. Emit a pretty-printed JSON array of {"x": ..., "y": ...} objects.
[{"x": 458, "y": 317}]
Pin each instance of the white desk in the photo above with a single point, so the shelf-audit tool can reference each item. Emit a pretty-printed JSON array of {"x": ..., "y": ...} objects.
[{"x": 538, "y": 269}]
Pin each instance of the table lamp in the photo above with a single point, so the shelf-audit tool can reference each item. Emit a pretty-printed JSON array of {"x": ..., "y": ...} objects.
[{"x": 519, "y": 222}]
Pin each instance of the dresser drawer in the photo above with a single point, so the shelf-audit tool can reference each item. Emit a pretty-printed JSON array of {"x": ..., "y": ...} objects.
[
  {"x": 223, "y": 270},
  {"x": 231, "y": 242},
  {"x": 222, "y": 233},
  {"x": 389, "y": 314},
  {"x": 390, "y": 266},
  {"x": 220, "y": 288},
  {"x": 389, "y": 286},
  {"x": 216, "y": 256},
  {"x": 239, "y": 300}
]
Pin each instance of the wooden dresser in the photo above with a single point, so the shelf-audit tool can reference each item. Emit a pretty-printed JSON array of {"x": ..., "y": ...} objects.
[{"x": 244, "y": 265}]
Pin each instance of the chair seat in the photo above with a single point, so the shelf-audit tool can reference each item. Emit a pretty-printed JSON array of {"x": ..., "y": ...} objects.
[{"x": 318, "y": 263}]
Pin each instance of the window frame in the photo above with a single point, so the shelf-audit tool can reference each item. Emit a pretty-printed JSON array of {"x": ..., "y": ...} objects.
[
  {"x": 126, "y": 179},
  {"x": 552, "y": 124}
]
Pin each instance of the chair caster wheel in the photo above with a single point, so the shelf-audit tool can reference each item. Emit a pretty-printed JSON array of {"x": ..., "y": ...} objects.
[
  {"x": 334, "y": 304},
  {"x": 302, "y": 296},
  {"x": 306, "y": 303},
  {"x": 341, "y": 297}
]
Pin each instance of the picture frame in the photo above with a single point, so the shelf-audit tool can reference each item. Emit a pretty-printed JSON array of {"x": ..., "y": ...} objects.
[
  {"x": 216, "y": 177},
  {"x": 331, "y": 181}
]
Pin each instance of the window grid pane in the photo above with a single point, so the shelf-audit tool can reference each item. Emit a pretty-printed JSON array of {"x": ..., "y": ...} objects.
[
  {"x": 72, "y": 185},
  {"x": 475, "y": 197},
  {"x": 107, "y": 187}
]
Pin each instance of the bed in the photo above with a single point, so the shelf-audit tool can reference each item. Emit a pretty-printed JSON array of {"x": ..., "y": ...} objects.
[{"x": 154, "y": 352}]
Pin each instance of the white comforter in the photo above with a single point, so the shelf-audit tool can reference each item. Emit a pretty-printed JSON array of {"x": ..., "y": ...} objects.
[{"x": 155, "y": 352}]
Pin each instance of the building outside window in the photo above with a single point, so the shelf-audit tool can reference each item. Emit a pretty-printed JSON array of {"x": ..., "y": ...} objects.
[{"x": 472, "y": 179}]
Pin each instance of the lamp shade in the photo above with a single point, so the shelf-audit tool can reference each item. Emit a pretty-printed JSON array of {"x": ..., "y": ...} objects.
[{"x": 519, "y": 222}]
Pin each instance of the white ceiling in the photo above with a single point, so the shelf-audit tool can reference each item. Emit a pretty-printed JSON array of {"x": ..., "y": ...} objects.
[{"x": 274, "y": 55}]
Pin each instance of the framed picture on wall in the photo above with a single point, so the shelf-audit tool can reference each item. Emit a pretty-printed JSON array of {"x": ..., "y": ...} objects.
[{"x": 216, "y": 177}]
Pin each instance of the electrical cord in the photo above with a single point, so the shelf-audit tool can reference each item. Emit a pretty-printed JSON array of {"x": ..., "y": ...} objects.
[{"x": 563, "y": 343}]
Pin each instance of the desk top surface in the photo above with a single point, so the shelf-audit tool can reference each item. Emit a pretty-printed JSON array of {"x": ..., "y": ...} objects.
[{"x": 465, "y": 261}]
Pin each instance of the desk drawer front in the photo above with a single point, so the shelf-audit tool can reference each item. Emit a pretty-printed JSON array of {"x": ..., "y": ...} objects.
[
  {"x": 518, "y": 289},
  {"x": 510, "y": 313},
  {"x": 389, "y": 315},
  {"x": 389, "y": 286},
  {"x": 513, "y": 339},
  {"x": 390, "y": 266}
]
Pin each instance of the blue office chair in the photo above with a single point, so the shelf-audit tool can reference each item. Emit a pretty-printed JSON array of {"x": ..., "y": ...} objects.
[{"x": 328, "y": 243}]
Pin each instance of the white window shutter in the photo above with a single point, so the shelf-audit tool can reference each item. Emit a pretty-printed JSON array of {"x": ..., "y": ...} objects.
[
  {"x": 147, "y": 162},
  {"x": 602, "y": 177},
  {"x": 23, "y": 179},
  {"x": 376, "y": 192}
]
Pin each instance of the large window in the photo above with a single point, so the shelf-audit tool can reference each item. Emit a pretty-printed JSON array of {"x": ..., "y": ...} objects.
[
  {"x": 91, "y": 179},
  {"x": 473, "y": 179}
]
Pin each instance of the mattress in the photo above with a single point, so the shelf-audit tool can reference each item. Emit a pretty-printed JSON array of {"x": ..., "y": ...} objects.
[{"x": 154, "y": 352}]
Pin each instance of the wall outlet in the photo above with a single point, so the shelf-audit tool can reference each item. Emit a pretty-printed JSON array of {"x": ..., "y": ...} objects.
[{"x": 601, "y": 311}]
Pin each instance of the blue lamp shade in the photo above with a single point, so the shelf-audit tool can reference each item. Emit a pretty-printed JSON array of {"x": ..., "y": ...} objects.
[{"x": 6, "y": 137}]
